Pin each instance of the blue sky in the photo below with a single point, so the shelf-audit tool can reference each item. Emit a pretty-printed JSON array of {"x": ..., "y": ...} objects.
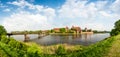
[{"x": 47, "y": 14}]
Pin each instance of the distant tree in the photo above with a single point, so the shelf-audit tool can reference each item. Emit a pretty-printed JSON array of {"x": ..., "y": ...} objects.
[
  {"x": 51, "y": 31},
  {"x": 114, "y": 32},
  {"x": 83, "y": 30},
  {"x": 38, "y": 31},
  {"x": 89, "y": 30},
  {"x": 62, "y": 30},
  {"x": 30, "y": 32},
  {"x": 2, "y": 30},
  {"x": 95, "y": 31},
  {"x": 117, "y": 25},
  {"x": 116, "y": 29}
]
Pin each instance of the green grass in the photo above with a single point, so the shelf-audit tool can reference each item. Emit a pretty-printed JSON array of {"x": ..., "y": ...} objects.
[
  {"x": 12, "y": 48},
  {"x": 115, "y": 49}
]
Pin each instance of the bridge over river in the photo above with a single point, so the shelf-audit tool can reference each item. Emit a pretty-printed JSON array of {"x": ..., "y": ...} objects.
[{"x": 26, "y": 37}]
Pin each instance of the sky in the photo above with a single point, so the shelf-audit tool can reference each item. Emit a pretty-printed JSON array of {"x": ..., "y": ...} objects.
[{"x": 19, "y": 15}]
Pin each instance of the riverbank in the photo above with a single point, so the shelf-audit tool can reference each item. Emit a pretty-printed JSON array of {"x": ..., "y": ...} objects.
[
  {"x": 71, "y": 33},
  {"x": 52, "y": 48},
  {"x": 115, "y": 48},
  {"x": 12, "y": 48}
]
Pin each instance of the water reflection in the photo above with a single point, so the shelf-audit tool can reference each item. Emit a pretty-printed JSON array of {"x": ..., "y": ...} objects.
[{"x": 84, "y": 39}]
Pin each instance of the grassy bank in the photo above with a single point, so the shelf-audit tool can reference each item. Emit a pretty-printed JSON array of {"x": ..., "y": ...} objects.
[
  {"x": 115, "y": 49},
  {"x": 12, "y": 48},
  {"x": 53, "y": 48}
]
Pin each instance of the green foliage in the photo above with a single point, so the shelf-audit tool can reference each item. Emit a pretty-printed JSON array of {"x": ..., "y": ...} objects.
[
  {"x": 95, "y": 31},
  {"x": 34, "y": 51},
  {"x": 116, "y": 29},
  {"x": 117, "y": 25},
  {"x": 114, "y": 32},
  {"x": 51, "y": 31},
  {"x": 12, "y": 48},
  {"x": 2, "y": 30},
  {"x": 9, "y": 47},
  {"x": 96, "y": 50},
  {"x": 62, "y": 30},
  {"x": 61, "y": 50},
  {"x": 4, "y": 39}
]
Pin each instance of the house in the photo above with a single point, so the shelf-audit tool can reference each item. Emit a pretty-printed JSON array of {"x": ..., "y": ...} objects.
[
  {"x": 56, "y": 29},
  {"x": 66, "y": 29},
  {"x": 76, "y": 29}
]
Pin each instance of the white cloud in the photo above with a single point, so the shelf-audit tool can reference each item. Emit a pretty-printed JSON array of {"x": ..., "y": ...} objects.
[
  {"x": 7, "y": 10},
  {"x": 98, "y": 14},
  {"x": 95, "y": 15},
  {"x": 79, "y": 9},
  {"x": 22, "y": 4},
  {"x": 96, "y": 26},
  {"x": 18, "y": 3},
  {"x": 115, "y": 7},
  {"x": 26, "y": 21}
]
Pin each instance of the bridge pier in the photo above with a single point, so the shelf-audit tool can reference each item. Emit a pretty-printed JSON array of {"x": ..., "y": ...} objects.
[
  {"x": 39, "y": 36},
  {"x": 26, "y": 37},
  {"x": 9, "y": 36}
]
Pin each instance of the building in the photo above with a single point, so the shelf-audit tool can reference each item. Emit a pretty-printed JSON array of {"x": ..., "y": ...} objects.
[
  {"x": 56, "y": 29},
  {"x": 76, "y": 29},
  {"x": 67, "y": 29}
]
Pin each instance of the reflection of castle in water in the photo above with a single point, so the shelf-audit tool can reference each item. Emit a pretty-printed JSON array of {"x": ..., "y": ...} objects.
[
  {"x": 74, "y": 36},
  {"x": 87, "y": 38}
]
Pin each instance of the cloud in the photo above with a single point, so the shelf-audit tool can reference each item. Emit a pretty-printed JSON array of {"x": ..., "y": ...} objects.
[
  {"x": 7, "y": 10},
  {"x": 22, "y": 4},
  {"x": 99, "y": 15},
  {"x": 95, "y": 15},
  {"x": 115, "y": 7},
  {"x": 26, "y": 21},
  {"x": 21, "y": 19},
  {"x": 79, "y": 9}
]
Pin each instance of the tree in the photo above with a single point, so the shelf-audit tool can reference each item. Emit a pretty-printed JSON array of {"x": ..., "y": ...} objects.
[
  {"x": 116, "y": 29},
  {"x": 2, "y": 30},
  {"x": 62, "y": 30},
  {"x": 51, "y": 31},
  {"x": 117, "y": 25}
]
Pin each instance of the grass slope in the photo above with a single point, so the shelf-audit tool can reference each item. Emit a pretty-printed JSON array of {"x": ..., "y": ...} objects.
[{"x": 115, "y": 49}]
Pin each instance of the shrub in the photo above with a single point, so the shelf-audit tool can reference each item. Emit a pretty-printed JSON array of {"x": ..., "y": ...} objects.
[
  {"x": 61, "y": 50},
  {"x": 34, "y": 51},
  {"x": 116, "y": 29},
  {"x": 4, "y": 39}
]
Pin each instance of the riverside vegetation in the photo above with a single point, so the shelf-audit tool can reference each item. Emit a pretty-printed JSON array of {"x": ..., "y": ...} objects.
[
  {"x": 108, "y": 47},
  {"x": 12, "y": 48}
]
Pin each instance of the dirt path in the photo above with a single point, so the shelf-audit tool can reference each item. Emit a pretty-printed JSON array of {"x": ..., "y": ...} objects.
[{"x": 115, "y": 49}]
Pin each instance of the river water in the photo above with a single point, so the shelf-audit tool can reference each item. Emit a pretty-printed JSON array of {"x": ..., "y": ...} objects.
[{"x": 84, "y": 39}]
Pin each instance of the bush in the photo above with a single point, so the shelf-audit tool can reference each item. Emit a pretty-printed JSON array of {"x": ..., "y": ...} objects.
[
  {"x": 61, "y": 50},
  {"x": 2, "y": 30},
  {"x": 4, "y": 39},
  {"x": 34, "y": 51},
  {"x": 116, "y": 29}
]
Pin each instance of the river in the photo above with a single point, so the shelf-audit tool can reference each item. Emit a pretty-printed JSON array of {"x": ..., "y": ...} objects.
[{"x": 84, "y": 39}]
